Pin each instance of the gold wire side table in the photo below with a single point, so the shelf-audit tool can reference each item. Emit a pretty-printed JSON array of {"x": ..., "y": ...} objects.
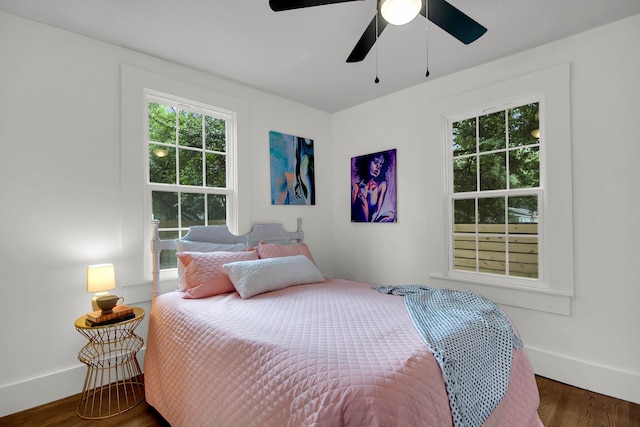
[{"x": 114, "y": 382}]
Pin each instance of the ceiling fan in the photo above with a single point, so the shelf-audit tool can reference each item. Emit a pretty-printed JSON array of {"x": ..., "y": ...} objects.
[{"x": 444, "y": 15}]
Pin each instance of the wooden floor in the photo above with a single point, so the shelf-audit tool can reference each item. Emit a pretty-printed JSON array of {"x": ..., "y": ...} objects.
[
  {"x": 565, "y": 406},
  {"x": 560, "y": 406}
]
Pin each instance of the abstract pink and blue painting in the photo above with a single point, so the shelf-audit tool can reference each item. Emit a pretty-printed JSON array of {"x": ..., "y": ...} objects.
[{"x": 292, "y": 170}]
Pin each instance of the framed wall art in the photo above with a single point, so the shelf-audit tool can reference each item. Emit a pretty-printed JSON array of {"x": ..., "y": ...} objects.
[
  {"x": 373, "y": 187},
  {"x": 292, "y": 170}
]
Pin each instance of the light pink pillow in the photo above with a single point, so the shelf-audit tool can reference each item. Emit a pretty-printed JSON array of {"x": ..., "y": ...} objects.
[
  {"x": 273, "y": 250},
  {"x": 204, "y": 274}
]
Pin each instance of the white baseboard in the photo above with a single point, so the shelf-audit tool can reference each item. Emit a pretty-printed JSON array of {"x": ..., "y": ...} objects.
[
  {"x": 589, "y": 376},
  {"x": 600, "y": 379},
  {"x": 45, "y": 389},
  {"x": 54, "y": 386}
]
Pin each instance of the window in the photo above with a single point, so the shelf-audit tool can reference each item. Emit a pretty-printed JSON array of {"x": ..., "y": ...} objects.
[
  {"x": 522, "y": 206},
  {"x": 190, "y": 163},
  {"x": 495, "y": 193},
  {"x": 138, "y": 89}
]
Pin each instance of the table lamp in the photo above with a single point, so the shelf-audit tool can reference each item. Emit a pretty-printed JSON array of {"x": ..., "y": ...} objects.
[{"x": 100, "y": 279}]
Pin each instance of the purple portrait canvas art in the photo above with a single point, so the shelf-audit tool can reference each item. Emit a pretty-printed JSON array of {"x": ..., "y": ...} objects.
[{"x": 373, "y": 187}]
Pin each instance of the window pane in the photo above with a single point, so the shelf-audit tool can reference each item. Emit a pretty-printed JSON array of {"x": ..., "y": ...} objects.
[
  {"x": 523, "y": 239},
  {"x": 217, "y": 209},
  {"x": 464, "y": 213},
  {"x": 190, "y": 129},
  {"x": 190, "y": 167},
  {"x": 493, "y": 171},
  {"x": 464, "y": 137},
  {"x": 524, "y": 167},
  {"x": 491, "y": 244},
  {"x": 523, "y": 209},
  {"x": 492, "y": 132},
  {"x": 168, "y": 256},
  {"x": 492, "y": 254},
  {"x": 524, "y": 125},
  {"x": 492, "y": 260},
  {"x": 464, "y": 174},
  {"x": 168, "y": 235},
  {"x": 464, "y": 252},
  {"x": 162, "y": 164},
  {"x": 192, "y": 209},
  {"x": 162, "y": 123},
  {"x": 215, "y": 134},
  {"x": 216, "y": 168},
  {"x": 523, "y": 256},
  {"x": 464, "y": 244},
  {"x": 165, "y": 208},
  {"x": 491, "y": 215}
]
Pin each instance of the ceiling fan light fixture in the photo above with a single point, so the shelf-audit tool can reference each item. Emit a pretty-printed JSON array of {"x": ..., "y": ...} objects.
[{"x": 399, "y": 12}]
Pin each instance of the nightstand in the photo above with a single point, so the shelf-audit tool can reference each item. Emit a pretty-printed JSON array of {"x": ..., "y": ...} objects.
[{"x": 114, "y": 382}]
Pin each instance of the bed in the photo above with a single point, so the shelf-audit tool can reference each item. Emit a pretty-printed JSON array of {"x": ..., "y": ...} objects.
[{"x": 304, "y": 351}]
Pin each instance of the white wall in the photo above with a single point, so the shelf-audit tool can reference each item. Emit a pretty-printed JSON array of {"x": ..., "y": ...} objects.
[
  {"x": 61, "y": 199},
  {"x": 60, "y": 183},
  {"x": 596, "y": 346}
]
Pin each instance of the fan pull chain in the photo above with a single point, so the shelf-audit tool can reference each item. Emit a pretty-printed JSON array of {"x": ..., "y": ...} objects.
[
  {"x": 377, "y": 80},
  {"x": 427, "y": 31}
]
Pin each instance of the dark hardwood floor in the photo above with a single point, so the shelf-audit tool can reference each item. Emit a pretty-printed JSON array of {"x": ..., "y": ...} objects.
[
  {"x": 565, "y": 406},
  {"x": 560, "y": 406}
]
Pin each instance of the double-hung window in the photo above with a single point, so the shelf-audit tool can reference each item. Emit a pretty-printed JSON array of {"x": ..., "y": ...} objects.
[
  {"x": 495, "y": 193},
  {"x": 507, "y": 224},
  {"x": 190, "y": 166}
]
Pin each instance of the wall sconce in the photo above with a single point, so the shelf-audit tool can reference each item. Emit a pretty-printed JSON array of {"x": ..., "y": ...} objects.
[
  {"x": 399, "y": 12},
  {"x": 100, "y": 279}
]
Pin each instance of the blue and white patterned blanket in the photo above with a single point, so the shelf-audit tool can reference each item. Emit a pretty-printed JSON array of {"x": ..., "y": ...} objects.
[{"x": 471, "y": 339}]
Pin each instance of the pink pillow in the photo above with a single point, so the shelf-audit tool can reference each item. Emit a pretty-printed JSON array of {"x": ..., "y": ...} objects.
[
  {"x": 204, "y": 274},
  {"x": 273, "y": 250}
]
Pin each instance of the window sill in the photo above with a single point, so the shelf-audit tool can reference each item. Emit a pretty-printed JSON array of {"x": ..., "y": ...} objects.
[{"x": 517, "y": 296}]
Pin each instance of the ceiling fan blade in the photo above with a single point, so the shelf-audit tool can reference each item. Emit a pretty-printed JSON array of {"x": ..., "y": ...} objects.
[
  {"x": 453, "y": 21},
  {"x": 280, "y": 5},
  {"x": 368, "y": 39}
]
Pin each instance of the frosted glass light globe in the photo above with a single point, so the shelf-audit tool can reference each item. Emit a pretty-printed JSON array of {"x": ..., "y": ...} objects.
[{"x": 399, "y": 12}]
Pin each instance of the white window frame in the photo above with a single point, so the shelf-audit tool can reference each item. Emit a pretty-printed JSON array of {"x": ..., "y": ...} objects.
[
  {"x": 135, "y": 204},
  {"x": 554, "y": 291},
  {"x": 229, "y": 190},
  {"x": 500, "y": 280}
]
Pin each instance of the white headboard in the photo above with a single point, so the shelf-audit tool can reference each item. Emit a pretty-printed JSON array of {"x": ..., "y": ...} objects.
[{"x": 269, "y": 233}]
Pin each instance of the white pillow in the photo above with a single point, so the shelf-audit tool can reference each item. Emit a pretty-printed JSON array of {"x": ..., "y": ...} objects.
[{"x": 270, "y": 274}]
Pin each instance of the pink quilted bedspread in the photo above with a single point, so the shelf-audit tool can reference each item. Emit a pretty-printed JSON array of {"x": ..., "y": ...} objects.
[{"x": 336, "y": 353}]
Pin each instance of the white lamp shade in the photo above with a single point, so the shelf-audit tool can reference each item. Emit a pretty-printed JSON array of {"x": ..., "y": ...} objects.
[
  {"x": 399, "y": 12},
  {"x": 100, "y": 278}
]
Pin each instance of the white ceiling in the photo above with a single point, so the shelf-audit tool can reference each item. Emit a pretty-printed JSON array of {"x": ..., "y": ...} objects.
[{"x": 300, "y": 54}]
